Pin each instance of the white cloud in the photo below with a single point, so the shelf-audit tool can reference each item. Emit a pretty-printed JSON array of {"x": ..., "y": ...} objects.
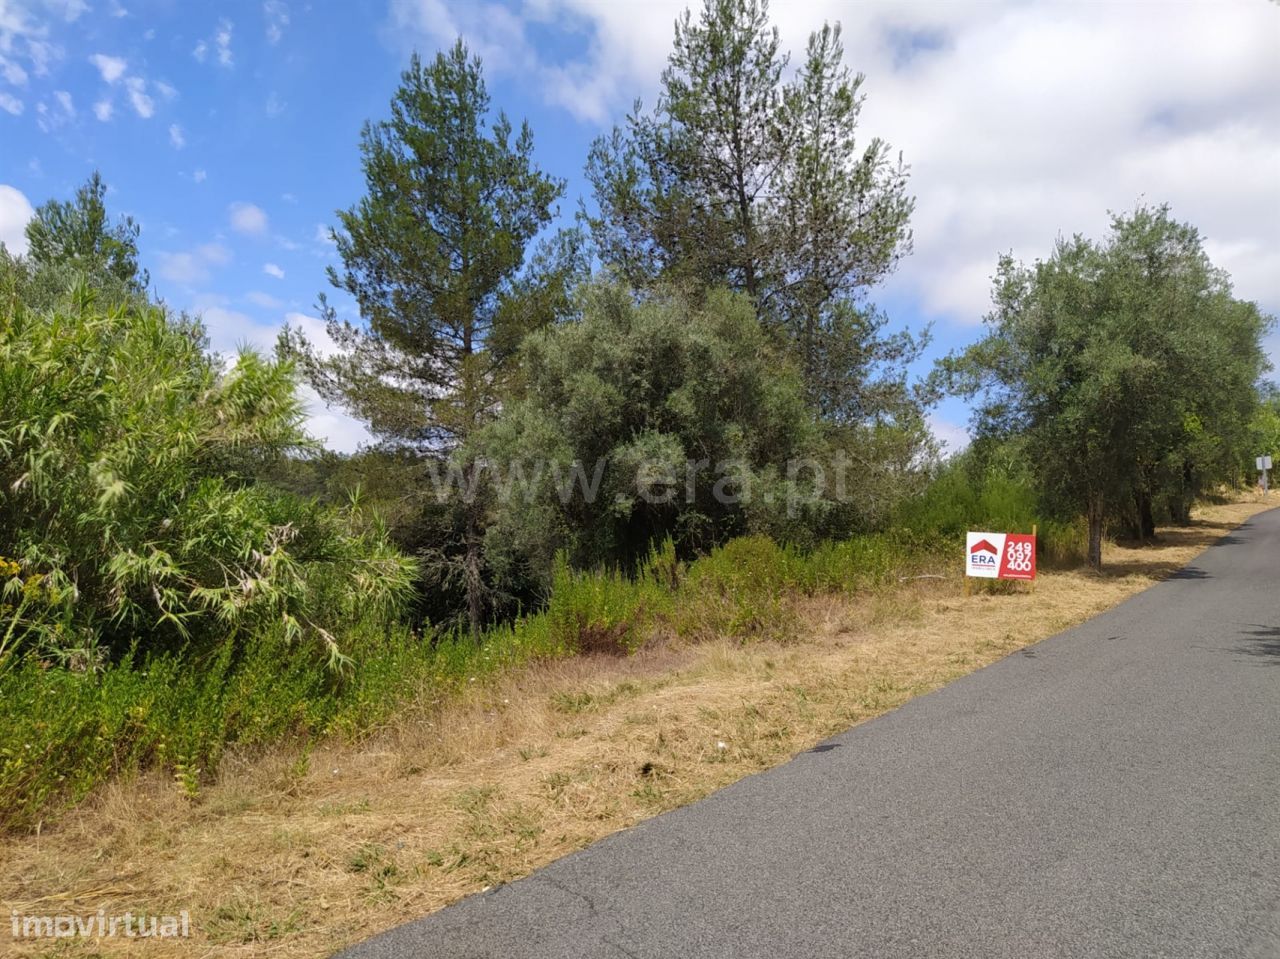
[
  {"x": 953, "y": 437},
  {"x": 222, "y": 40},
  {"x": 272, "y": 270},
  {"x": 219, "y": 43},
  {"x": 70, "y": 9},
  {"x": 141, "y": 102},
  {"x": 111, "y": 68},
  {"x": 1019, "y": 120},
  {"x": 229, "y": 330},
  {"x": 51, "y": 118},
  {"x": 176, "y": 138},
  {"x": 25, "y": 46},
  {"x": 15, "y": 213},
  {"x": 200, "y": 176},
  {"x": 264, "y": 300},
  {"x": 333, "y": 427},
  {"x": 276, "y": 13},
  {"x": 10, "y": 104},
  {"x": 192, "y": 267},
  {"x": 313, "y": 328},
  {"x": 322, "y": 235},
  {"x": 274, "y": 105},
  {"x": 247, "y": 218},
  {"x": 12, "y": 72}
]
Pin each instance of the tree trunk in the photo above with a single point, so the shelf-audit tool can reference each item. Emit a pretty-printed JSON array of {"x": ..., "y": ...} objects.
[
  {"x": 1095, "y": 517},
  {"x": 1186, "y": 495},
  {"x": 472, "y": 568},
  {"x": 1146, "y": 521}
]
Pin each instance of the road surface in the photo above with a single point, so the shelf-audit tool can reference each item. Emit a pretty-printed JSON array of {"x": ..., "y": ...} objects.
[{"x": 1112, "y": 791}]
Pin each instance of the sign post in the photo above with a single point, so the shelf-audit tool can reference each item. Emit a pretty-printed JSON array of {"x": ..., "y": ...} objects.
[
  {"x": 1264, "y": 464},
  {"x": 999, "y": 556}
]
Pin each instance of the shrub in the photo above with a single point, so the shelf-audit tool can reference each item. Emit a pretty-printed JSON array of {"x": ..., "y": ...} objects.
[
  {"x": 127, "y": 497},
  {"x": 667, "y": 410}
]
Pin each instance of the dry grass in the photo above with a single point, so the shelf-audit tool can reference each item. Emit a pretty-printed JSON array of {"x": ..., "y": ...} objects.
[{"x": 297, "y": 854}]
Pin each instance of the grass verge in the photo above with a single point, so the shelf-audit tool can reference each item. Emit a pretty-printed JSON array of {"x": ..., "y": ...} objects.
[{"x": 300, "y": 851}]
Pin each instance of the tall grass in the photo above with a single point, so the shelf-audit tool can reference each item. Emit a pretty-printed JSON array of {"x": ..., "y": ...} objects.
[
  {"x": 64, "y": 733},
  {"x": 961, "y": 499}
]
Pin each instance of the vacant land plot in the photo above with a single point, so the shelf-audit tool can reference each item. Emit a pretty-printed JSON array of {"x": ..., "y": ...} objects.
[{"x": 298, "y": 853}]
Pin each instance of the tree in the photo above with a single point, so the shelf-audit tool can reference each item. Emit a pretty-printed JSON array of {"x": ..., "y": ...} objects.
[
  {"x": 1182, "y": 314},
  {"x": 650, "y": 419},
  {"x": 682, "y": 194},
  {"x": 1122, "y": 365},
  {"x": 76, "y": 234},
  {"x": 434, "y": 256},
  {"x": 844, "y": 216},
  {"x": 740, "y": 179},
  {"x": 1264, "y": 433}
]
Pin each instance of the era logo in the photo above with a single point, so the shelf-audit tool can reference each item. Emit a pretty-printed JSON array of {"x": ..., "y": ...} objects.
[{"x": 982, "y": 553}]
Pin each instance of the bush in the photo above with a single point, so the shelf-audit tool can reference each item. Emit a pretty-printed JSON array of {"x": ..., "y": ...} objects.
[
  {"x": 128, "y": 505},
  {"x": 668, "y": 410},
  {"x": 979, "y": 491},
  {"x": 963, "y": 498}
]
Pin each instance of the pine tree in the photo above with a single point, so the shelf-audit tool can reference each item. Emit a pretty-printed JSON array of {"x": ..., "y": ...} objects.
[
  {"x": 75, "y": 234},
  {"x": 742, "y": 180},
  {"x": 434, "y": 256}
]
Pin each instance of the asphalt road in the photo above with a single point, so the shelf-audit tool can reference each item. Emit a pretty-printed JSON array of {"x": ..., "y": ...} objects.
[{"x": 1113, "y": 791}]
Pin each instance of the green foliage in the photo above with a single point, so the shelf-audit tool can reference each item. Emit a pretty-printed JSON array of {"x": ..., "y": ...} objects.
[
  {"x": 435, "y": 258},
  {"x": 1128, "y": 369},
  {"x": 1264, "y": 434},
  {"x": 990, "y": 490},
  {"x": 965, "y": 495},
  {"x": 63, "y": 733},
  {"x": 127, "y": 501},
  {"x": 740, "y": 178},
  {"x": 76, "y": 235},
  {"x": 643, "y": 420},
  {"x": 606, "y": 611},
  {"x": 168, "y": 533}
]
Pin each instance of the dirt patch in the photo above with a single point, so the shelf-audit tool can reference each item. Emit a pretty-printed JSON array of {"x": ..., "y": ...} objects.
[{"x": 299, "y": 853}]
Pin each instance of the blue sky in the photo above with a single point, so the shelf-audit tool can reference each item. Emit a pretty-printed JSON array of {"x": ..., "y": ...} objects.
[{"x": 230, "y": 130}]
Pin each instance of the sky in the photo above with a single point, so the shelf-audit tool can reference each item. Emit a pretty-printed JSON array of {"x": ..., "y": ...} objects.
[{"x": 229, "y": 131}]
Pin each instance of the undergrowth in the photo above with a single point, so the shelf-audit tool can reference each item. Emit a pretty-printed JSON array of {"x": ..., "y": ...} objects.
[{"x": 63, "y": 733}]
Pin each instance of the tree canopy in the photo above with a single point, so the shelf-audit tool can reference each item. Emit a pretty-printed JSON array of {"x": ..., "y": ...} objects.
[
  {"x": 642, "y": 421},
  {"x": 743, "y": 179},
  {"x": 76, "y": 234},
  {"x": 1127, "y": 365}
]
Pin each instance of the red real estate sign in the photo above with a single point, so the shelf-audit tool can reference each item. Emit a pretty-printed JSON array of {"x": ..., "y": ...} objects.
[{"x": 1000, "y": 555}]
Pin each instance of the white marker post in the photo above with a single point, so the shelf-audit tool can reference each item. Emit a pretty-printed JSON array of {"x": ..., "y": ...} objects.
[{"x": 1264, "y": 464}]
